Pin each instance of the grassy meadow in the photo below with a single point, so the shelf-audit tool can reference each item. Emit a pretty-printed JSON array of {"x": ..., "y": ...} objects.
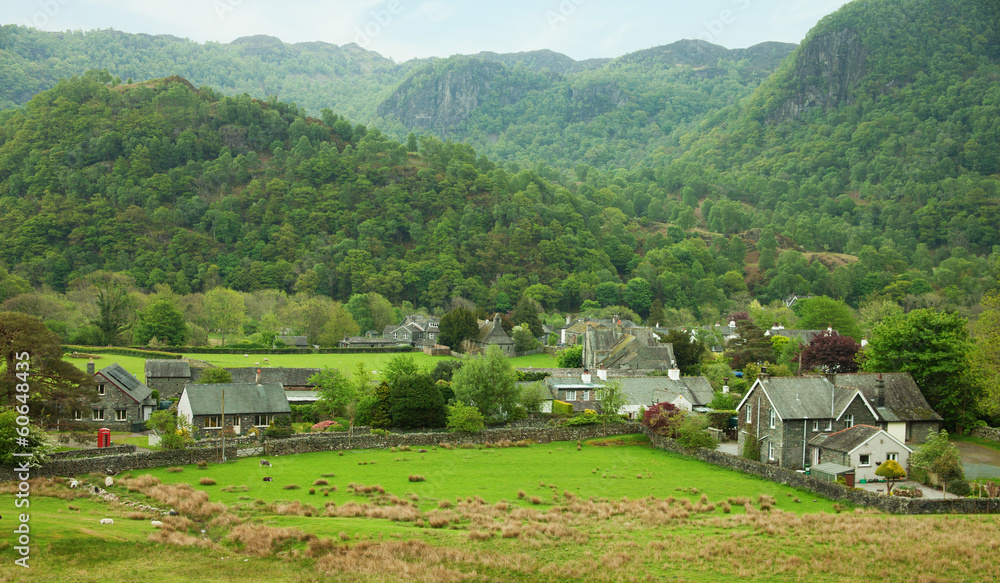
[
  {"x": 607, "y": 510},
  {"x": 345, "y": 362}
]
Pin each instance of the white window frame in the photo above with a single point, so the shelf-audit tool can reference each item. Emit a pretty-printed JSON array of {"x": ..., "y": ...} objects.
[
  {"x": 77, "y": 415},
  {"x": 848, "y": 421},
  {"x": 570, "y": 395},
  {"x": 213, "y": 422},
  {"x": 865, "y": 460},
  {"x": 121, "y": 415},
  {"x": 236, "y": 420},
  {"x": 829, "y": 424},
  {"x": 100, "y": 389},
  {"x": 892, "y": 456},
  {"x": 770, "y": 451},
  {"x": 815, "y": 425},
  {"x": 267, "y": 420},
  {"x": 749, "y": 413},
  {"x": 98, "y": 414},
  {"x": 771, "y": 418},
  {"x": 586, "y": 395}
]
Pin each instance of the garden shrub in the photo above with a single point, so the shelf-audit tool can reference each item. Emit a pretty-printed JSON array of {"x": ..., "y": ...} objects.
[
  {"x": 465, "y": 418},
  {"x": 589, "y": 417},
  {"x": 561, "y": 408}
]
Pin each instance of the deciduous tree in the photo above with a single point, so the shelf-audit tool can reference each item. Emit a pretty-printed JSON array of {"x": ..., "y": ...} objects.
[
  {"x": 830, "y": 352},
  {"x": 162, "y": 321},
  {"x": 488, "y": 383}
]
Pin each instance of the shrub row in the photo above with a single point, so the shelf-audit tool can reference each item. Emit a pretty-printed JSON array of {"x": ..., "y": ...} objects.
[
  {"x": 121, "y": 351},
  {"x": 177, "y": 351}
]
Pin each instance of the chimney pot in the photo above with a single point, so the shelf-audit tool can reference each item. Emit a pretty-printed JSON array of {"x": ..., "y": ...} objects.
[{"x": 258, "y": 376}]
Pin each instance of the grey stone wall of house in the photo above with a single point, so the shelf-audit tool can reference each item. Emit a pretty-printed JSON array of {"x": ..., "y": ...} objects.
[
  {"x": 794, "y": 438},
  {"x": 168, "y": 387},
  {"x": 833, "y": 490},
  {"x": 760, "y": 415},
  {"x": 923, "y": 429},
  {"x": 862, "y": 415},
  {"x": 113, "y": 400},
  {"x": 246, "y": 421}
]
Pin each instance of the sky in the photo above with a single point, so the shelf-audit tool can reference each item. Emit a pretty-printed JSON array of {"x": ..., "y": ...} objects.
[{"x": 406, "y": 29}]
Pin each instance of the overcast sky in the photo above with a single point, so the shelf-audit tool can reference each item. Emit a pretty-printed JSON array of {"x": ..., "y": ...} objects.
[{"x": 405, "y": 29}]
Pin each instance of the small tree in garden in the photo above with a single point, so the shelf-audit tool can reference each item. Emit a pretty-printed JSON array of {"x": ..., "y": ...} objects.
[
  {"x": 892, "y": 472},
  {"x": 215, "y": 376},
  {"x": 940, "y": 456},
  {"x": 570, "y": 357},
  {"x": 693, "y": 432},
  {"x": 663, "y": 419},
  {"x": 465, "y": 418}
]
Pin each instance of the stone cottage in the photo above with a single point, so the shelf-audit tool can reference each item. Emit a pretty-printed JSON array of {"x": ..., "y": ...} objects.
[
  {"x": 247, "y": 405},
  {"x": 123, "y": 402},
  {"x": 862, "y": 447}
]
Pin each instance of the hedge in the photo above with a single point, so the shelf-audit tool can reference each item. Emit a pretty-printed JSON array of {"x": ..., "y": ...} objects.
[
  {"x": 121, "y": 351},
  {"x": 195, "y": 350},
  {"x": 561, "y": 408}
]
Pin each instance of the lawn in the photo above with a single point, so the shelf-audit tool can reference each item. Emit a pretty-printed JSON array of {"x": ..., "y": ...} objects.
[
  {"x": 344, "y": 362},
  {"x": 585, "y": 515}
]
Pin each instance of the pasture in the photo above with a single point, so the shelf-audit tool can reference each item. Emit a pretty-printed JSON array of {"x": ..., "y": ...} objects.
[
  {"x": 344, "y": 362},
  {"x": 609, "y": 511}
]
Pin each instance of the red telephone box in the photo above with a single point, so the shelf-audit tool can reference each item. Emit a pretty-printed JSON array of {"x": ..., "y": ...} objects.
[{"x": 103, "y": 437}]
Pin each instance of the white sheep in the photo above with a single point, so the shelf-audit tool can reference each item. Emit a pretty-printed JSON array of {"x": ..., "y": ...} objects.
[
  {"x": 156, "y": 523},
  {"x": 108, "y": 482},
  {"x": 107, "y": 521},
  {"x": 266, "y": 360},
  {"x": 74, "y": 484},
  {"x": 246, "y": 356},
  {"x": 257, "y": 363}
]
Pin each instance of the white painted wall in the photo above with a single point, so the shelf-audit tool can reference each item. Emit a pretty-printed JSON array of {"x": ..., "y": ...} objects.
[{"x": 184, "y": 407}]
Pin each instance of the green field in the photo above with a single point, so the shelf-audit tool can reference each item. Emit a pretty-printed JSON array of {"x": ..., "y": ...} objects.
[
  {"x": 613, "y": 510},
  {"x": 344, "y": 362}
]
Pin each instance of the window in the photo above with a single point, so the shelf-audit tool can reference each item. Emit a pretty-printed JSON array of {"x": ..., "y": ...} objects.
[
  {"x": 816, "y": 425},
  {"x": 829, "y": 424},
  {"x": 100, "y": 389},
  {"x": 771, "y": 417},
  {"x": 77, "y": 415},
  {"x": 749, "y": 413},
  {"x": 892, "y": 456},
  {"x": 770, "y": 451},
  {"x": 121, "y": 415},
  {"x": 213, "y": 422},
  {"x": 98, "y": 414},
  {"x": 570, "y": 395},
  {"x": 262, "y": 420},
  {"x": 865, "y": 460},
  {"x": 236, "y": 420},
  {"x": 586, "y": 395},
  {"x": 849, "y": 421}
]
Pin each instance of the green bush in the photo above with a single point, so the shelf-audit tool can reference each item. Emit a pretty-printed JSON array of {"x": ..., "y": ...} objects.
[
  {"x": 561, "y": 408},
  {"x": 959, "y": 487},
  {"x": 589, "y": 417},
  {"x": 122, "y": 351},
  {"x": 720, "y": 419},
  {"x": 464, "y": 418},
  {"x": 280, "y": 427}
]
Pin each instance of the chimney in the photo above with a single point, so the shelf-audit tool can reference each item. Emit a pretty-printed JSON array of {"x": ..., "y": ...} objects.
[
  {"x": 585, "y": 377},
  {"x": 674, "y": 373},
  {"x": 762, "y": 375},
  {"x": 602, "y": 374},
  {"x": 90, "y": 367},
  {"x": 725, "y": 385},
  {"x": 258, "y": 376},
  {"x": 732, "y": 323},
  {"x": 880, "y": 394}
]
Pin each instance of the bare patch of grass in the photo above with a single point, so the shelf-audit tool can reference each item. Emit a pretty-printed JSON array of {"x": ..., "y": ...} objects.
[
  {"x": 416, "y": 478},
  {"x": 206, "y": 482},
  {"x": 291, "y": 487},
  {"x": 261, "y": 540},
  {"x": 321, "y": 483}
]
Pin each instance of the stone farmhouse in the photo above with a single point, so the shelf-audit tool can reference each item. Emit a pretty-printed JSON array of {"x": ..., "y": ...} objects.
[
  {"x": 491, "y": 333},
  {"x": 122, "y": 401},
  {"x": 626, "y": 348},
  {"x": 247, "y": 405},
  {"x": 862, "y": 448},
  {"x": 780, "y": 416}
]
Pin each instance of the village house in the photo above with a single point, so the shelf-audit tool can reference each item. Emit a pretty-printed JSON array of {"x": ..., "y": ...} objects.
[
  {"x": 584, "y": 392},
  {"x": 247, "y": 405},
  {"x": 123, "y": 403},
  {"x": 169, "y": 377},
  {"x": 782, "y": 415},
  {"x": 491, "y": 333},
  {"x": 415, "y": 330},
  {"x": 626, "y": 348},
  {"x": 862, "y": 448}
]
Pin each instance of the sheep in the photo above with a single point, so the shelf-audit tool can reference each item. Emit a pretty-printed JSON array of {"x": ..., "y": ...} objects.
[
  {"x": 266, "y": 360},
  {"x": 267, "y": 478},
  {"x": 108, "y": 482},
  {"x": 107, "y": 521},
  {"x": 264, "y": 464},
  {"x": 174, "y": 512},
  {"x": 74, "y": 484},
  {"x": 156, "y": 524},
  {"x": 257, "y": 363},
  {"x": 246, "y": 356}
]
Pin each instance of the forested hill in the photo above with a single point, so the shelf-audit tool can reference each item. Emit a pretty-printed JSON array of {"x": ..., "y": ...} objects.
[
  {"x": 888, "y": 109},
  {"x": 604, "y": 114}
]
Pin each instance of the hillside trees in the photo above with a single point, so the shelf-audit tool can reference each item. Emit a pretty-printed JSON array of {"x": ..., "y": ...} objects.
[{"x": 162, "y": 321}]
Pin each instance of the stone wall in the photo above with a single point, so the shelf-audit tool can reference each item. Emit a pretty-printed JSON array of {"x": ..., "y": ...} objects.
[
  {"x": 991, "y": 433},
  {"x": 140, "y": 460},
  {"x": 833, "y": 490},
  {"x": 94, "y": 452}
]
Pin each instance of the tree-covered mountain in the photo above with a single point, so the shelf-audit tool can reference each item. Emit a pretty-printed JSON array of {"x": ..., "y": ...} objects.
[
  {"x": 530, "y": 109},
  {"x": 865, "y": 165}
]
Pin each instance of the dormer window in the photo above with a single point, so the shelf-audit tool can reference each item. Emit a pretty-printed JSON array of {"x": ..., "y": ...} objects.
[{"x": 100, "y": 389}]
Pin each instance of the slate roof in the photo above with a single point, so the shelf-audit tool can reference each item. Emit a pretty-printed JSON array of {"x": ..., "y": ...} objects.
[
  {"x": 650, "y": 390},
  {"x": 846, "y": 440},
  {"x": 805, "y": 397},
  {"x": 289, "y": 377},
  {"x": 492, "y": 333},
  {"x": 832, "y": 469},
  {"x": 903, "y": 399},
  {"x": 126, "y": 382},
  {"x": 241, "y": 398},
  {"x": 168, "y": 369}
]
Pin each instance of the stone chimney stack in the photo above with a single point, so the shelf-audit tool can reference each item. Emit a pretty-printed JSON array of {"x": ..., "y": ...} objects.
[
  {"x": 725, "y": 385},
  {"x": 90, "y": 367},
  {"x": 602, "y": 374},
  {"x": 880, "y": 394},
  {"x": 674, "y": 373},
  {"x": 258, "y": 377},
  {"x": 585, "y": 377},
  {"x": 762, "y": 375}
]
